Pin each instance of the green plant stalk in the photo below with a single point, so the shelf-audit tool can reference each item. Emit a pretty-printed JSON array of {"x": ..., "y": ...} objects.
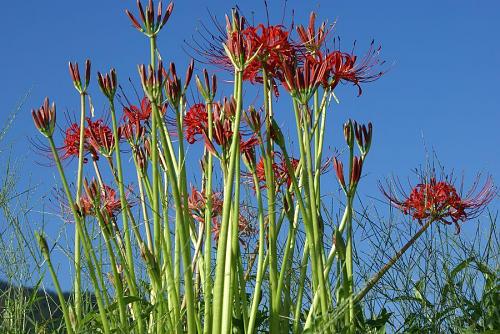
[
  {"x": 125, "y": 209},
  {"x": 79, "y": 180},
  {"x": 349, "y": 246},
  {"x": 155, "y": 161},
  {"x": 312, "y": 231},
  {"x": 319, "y": 139},
  {"x": 300, "y": 291},
  {"x": 86, "y": 246},
  {"x": 142, "y": 199},
  {"x": 271, "y": 210},
  {"x": 207, "y": 296},
  {"x": 226, "y": 211},
  {"x": 260, "y": 263},
  {"x": 289, "y": 250},
  {"x": 167, "y": 245},
  {"x": 317, "y": 233},
  {"x": 60, "y": 295},
  {"x": 183, "y": 236},
  {"x": 117, "y": 279}
]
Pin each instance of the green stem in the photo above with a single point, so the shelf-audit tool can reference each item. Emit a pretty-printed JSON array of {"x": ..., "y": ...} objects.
[
  {"x": 60, "y": 295},
  {"x": 219, "y": 286},
  {"x": 79, "y": 180},
  {"x": 87, "y": 247}
]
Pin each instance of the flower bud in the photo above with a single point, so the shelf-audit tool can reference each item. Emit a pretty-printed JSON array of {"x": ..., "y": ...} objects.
[
  {"x": 45, "y": 118},
  {"x": 349, "y": 133},
  {"x": 339, "y": 170}
]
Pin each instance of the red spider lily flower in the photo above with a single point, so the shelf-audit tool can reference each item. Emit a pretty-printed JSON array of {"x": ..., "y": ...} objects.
[
  {"x": 197, "y": 203},
  {"x": 71, "y": 140},
  {"x": 45, "y": 118},
  {"x": 311, "y": 39},
  {"x": 346, "y": 67},
  {"x": 133, "y": 114},
  {"x": 302, "y": 81},
  {"x": 149, "y": 24},
  {"x": 440, "y": 201},
  {"x": 245, "y": 229},
  {"x": 274, "y": 48},
  {"x": 100, "y": 137},
  {"x": 280, "y": 170},
  {"x": 195, "y": 122},
  {"x": 99, "y": 199},
  {"x": 247, "y": 148},
  {"x": 133, "y": 132}
]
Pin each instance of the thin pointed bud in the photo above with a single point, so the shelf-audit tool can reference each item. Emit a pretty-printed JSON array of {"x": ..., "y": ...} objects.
[
  {"x": 114, "y": 80},
  {"x": 150, "y": 16},
  {"x": 189, "y": 73},
  {"x": 368, "y": 136},
  {"x": 214, "y": 85},
  {"x": 168, "y": 12},
  {"x": 160, "y": 73},
  {"x": 75, "y": 76},
  {"x": 141, "y": 158},
  {"x": 357, "y": 166},
  {"x": 349, "y": 133},
  {"x": 158, "y": 13},
  {"x": 202, "y": 90},
  {"x": 207, "y": 82},
  {"x": 134, "y": 21},
  {"x": 339, "y": 170},
  {"x": 87, "y": 72},
  {"x": 173, "y": 73},
  {"x": 76, "y": 72},
  {"x": 141, "y": 13}
]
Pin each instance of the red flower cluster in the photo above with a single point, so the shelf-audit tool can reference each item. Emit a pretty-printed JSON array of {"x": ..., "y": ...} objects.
[
  {"x": 97, "y": 136},
  {"x": 298, "y": 64},
  {"x": 196, "y": 124},
  {"x": 440, "y": 201},
  {"x": 108, "y": 204},
  {"x": 197, "y": 204},
  {"x": 134, "y": 114},
  {"x": 281, "y": 175},
  {"x": 274, "y": 48}
]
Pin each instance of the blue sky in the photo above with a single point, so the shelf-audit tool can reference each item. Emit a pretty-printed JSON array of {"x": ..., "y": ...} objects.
[{"x": 441, "y": 93}]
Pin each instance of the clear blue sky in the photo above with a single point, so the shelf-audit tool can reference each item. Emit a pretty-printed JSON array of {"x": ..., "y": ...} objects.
[{"x": 442, "y": 90}]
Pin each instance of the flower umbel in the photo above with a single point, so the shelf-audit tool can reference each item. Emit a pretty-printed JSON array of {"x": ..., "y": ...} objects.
[{"x": 440, "y": 201}]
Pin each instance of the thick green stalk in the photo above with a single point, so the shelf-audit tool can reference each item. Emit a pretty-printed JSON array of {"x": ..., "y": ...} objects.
[
  {"x": 87, "y": 247},
  {"x": 60, "y": 295},
  {"x": 300, "y": 291},
  {"x": 118, "y": 284},
  {"x": 311, "y": 224},
  {"x": 260, "y": 263},
  {"x": 317, "y": 233},
  {"x": 79, "y": 180},
  {"x": 207, "y": 328},
  {"x": 183, "y": 235},
  {"x": 219, "y": 286}
]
